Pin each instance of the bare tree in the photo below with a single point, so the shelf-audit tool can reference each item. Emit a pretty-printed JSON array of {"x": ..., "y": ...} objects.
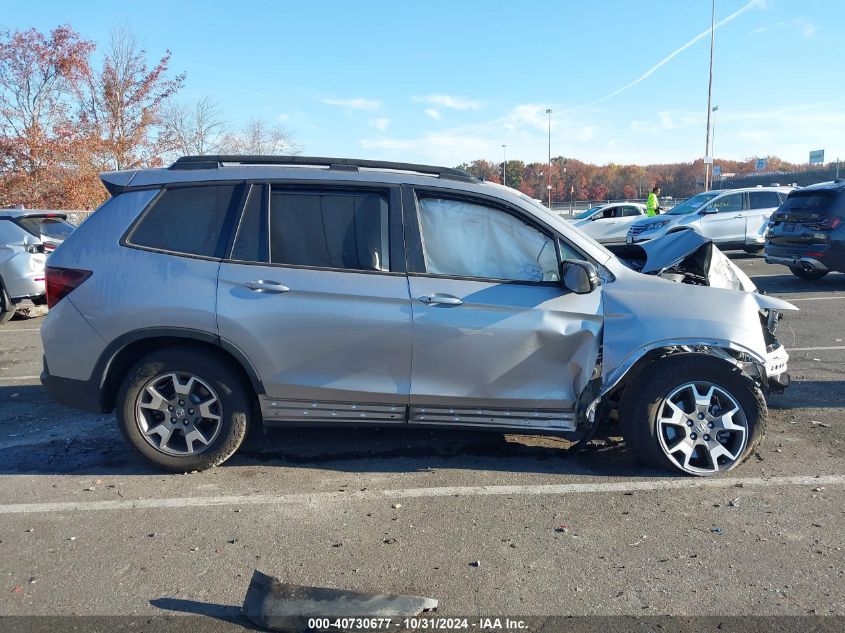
[
  {"x": 121, "y": 104},
  {"x": 192, "y": 129},
  {"x": 259, "y": 137}
]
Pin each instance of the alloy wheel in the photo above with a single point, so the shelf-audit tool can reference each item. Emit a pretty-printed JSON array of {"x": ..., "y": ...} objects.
[
  {"x": 702, "y": 428},
  {"x": 178, "y": 413}
]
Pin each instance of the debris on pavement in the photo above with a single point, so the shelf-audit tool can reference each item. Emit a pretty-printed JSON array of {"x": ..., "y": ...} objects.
[
  {"x": 824, "y": 425},
  {"x": 563, "y": 529},
  {"x": 475, "y": 563},
  {"x": 389, "y": 541},
  {"x": 396, "y": 506},
  {"x": 279, "y": 606},
  {"x": 733, "y": 502},
  {"x": 716, "y": 530}
]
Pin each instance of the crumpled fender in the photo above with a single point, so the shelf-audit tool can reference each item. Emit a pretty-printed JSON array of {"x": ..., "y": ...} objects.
[{"x": 643, "y": 313}]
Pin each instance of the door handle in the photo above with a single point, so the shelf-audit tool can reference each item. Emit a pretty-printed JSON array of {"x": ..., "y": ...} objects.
[
  {"x": 739, "y": 216},
  {"x": 266, "y": 285},
  {"x": 440, "y": 299}
]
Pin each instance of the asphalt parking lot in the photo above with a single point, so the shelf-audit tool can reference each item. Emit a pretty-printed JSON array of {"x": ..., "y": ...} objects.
[{"x": 88, "y": 529}]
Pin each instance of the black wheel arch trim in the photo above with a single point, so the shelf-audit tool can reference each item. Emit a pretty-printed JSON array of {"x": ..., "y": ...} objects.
[{"x": 113, "y": 349}]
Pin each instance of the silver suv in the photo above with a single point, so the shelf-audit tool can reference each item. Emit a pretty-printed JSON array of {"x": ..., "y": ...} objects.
[
  {"x": 735, "y": 219},
  {"x": 225, "y": 292}
]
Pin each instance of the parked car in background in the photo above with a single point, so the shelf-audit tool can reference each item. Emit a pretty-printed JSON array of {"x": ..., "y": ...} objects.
[
  {"x": 734, "y": 219},
  {"x": 808, "y": 232},
  {"x": 27, "y": 236},
  {"x": 225, "y": 292},
  {"x": 609, "y": 223}
]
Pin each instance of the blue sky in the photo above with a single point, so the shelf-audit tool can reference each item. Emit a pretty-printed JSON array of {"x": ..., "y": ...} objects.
[{"x": 445, "y": 82}]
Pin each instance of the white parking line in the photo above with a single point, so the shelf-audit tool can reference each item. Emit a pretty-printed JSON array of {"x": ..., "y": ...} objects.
[
  {"x": 316, "y": 498},
  {"x": 16, "y": 378},
  {"x": 814, "y": 349},
  {"x": 30, "y": 329},
  {"x": 814, "y": 299}
]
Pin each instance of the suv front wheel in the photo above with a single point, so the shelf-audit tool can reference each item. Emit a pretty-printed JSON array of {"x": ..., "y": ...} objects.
[
  {"x": 184, "y": 409},
  {"x": 692, "y": 413}
]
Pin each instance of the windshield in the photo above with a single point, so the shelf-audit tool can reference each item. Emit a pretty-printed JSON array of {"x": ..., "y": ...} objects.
[
  {"x": 56, "y": 228},
  {"x": 693, "y": 204},
  {"x": 586, "y": 214}
]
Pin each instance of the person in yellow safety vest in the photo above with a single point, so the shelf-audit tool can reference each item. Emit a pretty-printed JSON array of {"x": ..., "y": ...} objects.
[{"x": 652, "y": 205}]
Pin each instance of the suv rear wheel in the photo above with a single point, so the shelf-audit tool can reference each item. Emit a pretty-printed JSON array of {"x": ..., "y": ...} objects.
[
  {"x": 807, "y": 274},
  {"x": 693, "y": 413},
  {"x": 184, "y": 409}
]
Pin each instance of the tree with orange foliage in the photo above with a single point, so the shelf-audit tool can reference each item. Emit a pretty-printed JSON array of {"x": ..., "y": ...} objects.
[
  {"x": 121, "y": 105},
  {"x": 38, "y": 141}
]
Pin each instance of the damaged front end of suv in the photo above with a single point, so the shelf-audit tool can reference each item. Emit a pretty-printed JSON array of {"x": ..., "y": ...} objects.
[{"x": 678, "y": 310}]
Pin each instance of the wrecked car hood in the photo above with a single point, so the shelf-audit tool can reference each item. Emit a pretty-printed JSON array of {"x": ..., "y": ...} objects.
[{"x": 686, "y": 257}]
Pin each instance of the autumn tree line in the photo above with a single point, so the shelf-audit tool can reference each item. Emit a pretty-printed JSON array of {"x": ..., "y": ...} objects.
[
  {"x": 63, "y": 119},
  {"x": 576, "y": 180}
]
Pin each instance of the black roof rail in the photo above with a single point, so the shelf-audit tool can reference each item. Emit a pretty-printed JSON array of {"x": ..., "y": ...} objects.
[{"x": 345, "y": 164}]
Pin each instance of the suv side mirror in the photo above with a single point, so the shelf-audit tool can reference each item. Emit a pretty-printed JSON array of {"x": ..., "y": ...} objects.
[
  {"x": 579, "y": 276},
  {"x": 708, "y": 211}
]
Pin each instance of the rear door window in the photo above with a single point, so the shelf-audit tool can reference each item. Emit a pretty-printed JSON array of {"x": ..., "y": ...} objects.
[
  {"x": 329, "y": 229},
  {"x": 763, "y": 200},
  {"x": 190, "y": 220}
]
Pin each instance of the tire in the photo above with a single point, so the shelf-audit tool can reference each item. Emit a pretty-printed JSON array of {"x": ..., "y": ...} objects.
[
  {"x": 754, "y": 250},
  {"x": 807, "y": 274},
  {"x": 665, "y": 444},
  {"x": 218, "y": 390},
  {"x": 7, "y": 308}
]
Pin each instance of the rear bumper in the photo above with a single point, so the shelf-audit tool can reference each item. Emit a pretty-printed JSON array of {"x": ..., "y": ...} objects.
[
  {"x": 795, "y": 261},
  {"x": 80, "y": 394}
]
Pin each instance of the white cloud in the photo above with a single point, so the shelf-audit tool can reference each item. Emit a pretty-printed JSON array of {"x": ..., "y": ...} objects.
[
  {"x": 354, "y": 104},
  {"x": 449, "y": 101},
  {"x": 381, "y": 124},
  {"x": 433, "y": 113},
  {"x": 808, "y": 30},
  {"x": 284, "y": 116}
]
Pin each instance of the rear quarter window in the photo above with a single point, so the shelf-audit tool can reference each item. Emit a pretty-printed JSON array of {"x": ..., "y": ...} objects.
[{"x": 189, "y": 220}]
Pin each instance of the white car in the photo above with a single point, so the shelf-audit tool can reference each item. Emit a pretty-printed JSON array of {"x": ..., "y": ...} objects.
[
  {"x": 609, "y": 223},
  {"x": 735, "y": 219}
]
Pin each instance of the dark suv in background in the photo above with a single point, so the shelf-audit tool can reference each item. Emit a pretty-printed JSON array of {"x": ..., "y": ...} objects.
[{"x": 807, "y": 233}]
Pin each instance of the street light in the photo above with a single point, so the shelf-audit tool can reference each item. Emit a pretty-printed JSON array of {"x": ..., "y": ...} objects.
[
  {"x": 504, "y": 166},
  {"x": 713, "y": 148},
  {"x": 549, "y": 186},
  {"x": 709, "y": 93}
]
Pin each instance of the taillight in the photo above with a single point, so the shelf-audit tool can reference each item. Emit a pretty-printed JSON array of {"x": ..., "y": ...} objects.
[
  {"x": 824, "y": 223},
  {"x": 49, "y": 248},
  {"x": 62, "y": 281}
]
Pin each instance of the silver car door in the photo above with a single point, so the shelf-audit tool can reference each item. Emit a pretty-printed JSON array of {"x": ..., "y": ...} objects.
[
  {"x": 497, "y": 340},
  {"x": 727, "y": 224},
  {"x": 315, "y": 296}
]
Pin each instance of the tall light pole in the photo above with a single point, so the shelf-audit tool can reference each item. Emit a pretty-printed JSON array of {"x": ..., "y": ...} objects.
[
  {"x": 549, "y": 186},
  {"x": 709, "y": 94},
  {"x": 713, "y": 143},
  {"x": 504, "y": 165}
]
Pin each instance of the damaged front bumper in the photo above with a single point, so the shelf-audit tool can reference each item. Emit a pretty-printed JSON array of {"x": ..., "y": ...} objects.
[{"x": 777, "y": 378}]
